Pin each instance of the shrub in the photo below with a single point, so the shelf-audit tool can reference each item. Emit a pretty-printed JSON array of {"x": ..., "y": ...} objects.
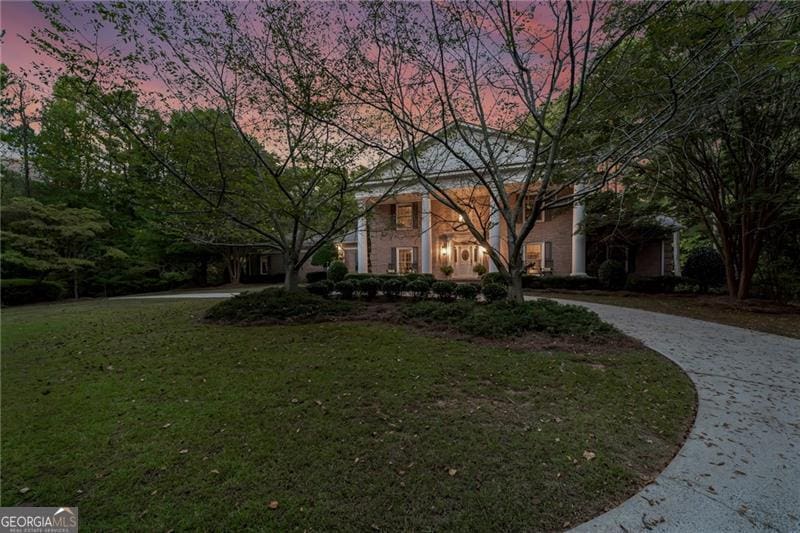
[
  {"x": 575, "y": 283},
  {"x": 419, "y": 288},
  {"x": 321, "y": 288},
  {"x": 313, "y": 277},
  {"x": 368, "y": 287},
  {"x": 325, "y": 255},
  {"x": 447, "y": 270},
  {"x": 357, "y": 276},
  {"x": 705, "y": 266},
  {"x": 479, "y": 269},
  {"x": 393, "y": 287},
  {"x": 345, "y": 288},
  {"x": 494, "y": 292},
  {"x": 17, "y": 291},
  {"x": 495, "y": 278},
  {"x": 444, "y": 290},
  {"x": 414, "y": 276},
  {"x": 612, "y": 274},
  {"x": 652, "y": 284},
  {"x": 467, "y": 291},
  {"x": 337, "y": 271},
  {"x": 276, "y": 305},
  {"x": 432, "y": 311}
]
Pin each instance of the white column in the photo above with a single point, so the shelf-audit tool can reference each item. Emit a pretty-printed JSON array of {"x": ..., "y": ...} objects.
[
  {"x": 494, "y": 237},
  {"x": 425, "y": 236},
  {"x": 676, "y": 252},
  {"x": 578, "y": 237},
  {"x": 362, "y": 244}
]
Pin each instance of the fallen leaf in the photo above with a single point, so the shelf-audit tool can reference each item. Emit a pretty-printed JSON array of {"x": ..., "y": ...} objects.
[
  {"x": 165, "y": 426},
  {"x": 184, "y": 451},
  {"x": 273, "y": 504},
  {"x": 452, "y": 471},
  {"x": 589, "y": 455},
  {"x": 215, "y": 471},
  {"x": 23, "y": 490}
]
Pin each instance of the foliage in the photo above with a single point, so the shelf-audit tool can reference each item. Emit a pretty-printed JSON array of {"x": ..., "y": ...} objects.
[
  {"x": 393, "y": 287},
  {"x": 337, "y": 271},
  {"x": 705, "y": 266},
  {"x": 345, "y": 288},
  {"x": 277, "y": 305},
  {"x": 414, "y": 276},
  {"x": 494, "y": 292},
  {"x": 321, "y": 288},
  {"x": 612, "y": 274},
  {"x": 16, "y": 291},
  {"x": 467, "y": 291},
  {"x": 325, "y": 255},
  {"x": 368, "y": 287},
  {"x": 576, "y": 283},
  {"x": 419, "y": 288},
  {"x": 506, "y": 318},
  {"x": 495, "y": 278},
  {"x": 479, "y": 269},
  {"x": 447, "y": 270},
  {"x": 444, "y": 290}
]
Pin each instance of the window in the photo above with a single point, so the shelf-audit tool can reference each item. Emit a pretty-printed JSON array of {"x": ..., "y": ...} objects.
[
  {"x": 264, "y": 265},
  {"x": 528, "y": 208},
  {"x": 405, "y": 260},
  {"x": 404, "y": 216},
  {"x": 534, "y": 257}
]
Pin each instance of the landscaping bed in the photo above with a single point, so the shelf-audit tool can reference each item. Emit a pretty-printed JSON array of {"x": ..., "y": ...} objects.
[{"x": 153, "y": 419}]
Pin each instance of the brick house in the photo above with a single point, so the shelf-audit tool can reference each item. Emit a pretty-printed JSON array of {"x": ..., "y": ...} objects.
[{"x": 410, "y": 231}]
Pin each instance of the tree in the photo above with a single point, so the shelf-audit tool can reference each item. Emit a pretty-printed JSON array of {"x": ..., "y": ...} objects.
[
  {"x": 16, "y": 110},
  {"x": 496, "y": 86},
  {"x": 295, "y": 200},
  {"x": 736, "y": 170},
  {"x": 41, "y": 239}
]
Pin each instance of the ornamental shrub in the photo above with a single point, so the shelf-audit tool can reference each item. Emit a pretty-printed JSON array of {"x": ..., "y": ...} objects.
[
  {"x": 494, "y": 292},
  {"x": 419, "y": 288},
  {"x": 337, "y": 270},
  {"x": 277, "y": 305},
  {"x": 313, "y": 277},
  {"x": 368, "y": 287},
  {"x": 444, "y": 290},
  {"x": 447, "y": 270},
  {"x": 612, "y": 274},
  {"x": 495, "y": 278},
  {"x": 575, "y": 283},
  {"x": 479, "y": 269},
  {"x": 321, "y": 288},
  {"x": 18, "y": 291},
  {"x": 467, "y": 292},
  {"x": 345, "y": 288},
  {"x": 393, "y": 287},
  {"x": 705, "y": 266}
]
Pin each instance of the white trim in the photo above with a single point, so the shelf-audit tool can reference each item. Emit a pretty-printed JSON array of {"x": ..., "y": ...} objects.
[
  {"x": 426, "y": 239},
  {"x": 663, "y": 258},
  {"x": 263, "y": 260}
]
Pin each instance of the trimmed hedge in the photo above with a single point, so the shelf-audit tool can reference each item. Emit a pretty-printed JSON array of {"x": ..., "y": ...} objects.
[
  {"x": 345, "y": 288},
  {"x": 444, "y": 290},
  {"x": 368, "y": 287},
  {"x": 419, "y": 288},
  {"x": 393, "y": 287},
  {"x": 19, "y": 291},
  {"x": 276, "y": 305},
  {"x": 337, "y": 271},
  {"x": 321, "y": 288},
  {"x": 576, "y": 283},
  {"x": 494, "y": 292},
  {"x": 495, "y": 278},
  {"x": 467, "y": 291},
  {"x": 504, "y": 319}
]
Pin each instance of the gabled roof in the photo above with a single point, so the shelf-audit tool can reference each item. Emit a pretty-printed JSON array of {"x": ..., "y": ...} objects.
[{"x": 466, "y": 146}]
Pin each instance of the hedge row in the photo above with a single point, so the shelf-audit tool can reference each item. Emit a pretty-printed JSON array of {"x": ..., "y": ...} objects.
[
  {"x": 26, "y": 291},
  {"x": 420, "y": 286}
]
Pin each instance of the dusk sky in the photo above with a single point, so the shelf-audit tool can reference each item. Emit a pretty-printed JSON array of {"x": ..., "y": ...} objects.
[{"x": 17, "y": 19}]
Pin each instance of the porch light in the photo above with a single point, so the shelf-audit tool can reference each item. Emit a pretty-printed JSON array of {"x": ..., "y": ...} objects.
[
  {"x": 444, "y": 250},
  {"x": 461, "y": 218},
  {"x": 482, "y": 249}
]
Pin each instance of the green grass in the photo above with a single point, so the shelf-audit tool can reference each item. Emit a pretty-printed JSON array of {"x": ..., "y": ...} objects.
[
  {"x": 768, "y": 317},
  {"x": 347, "y": 425}
]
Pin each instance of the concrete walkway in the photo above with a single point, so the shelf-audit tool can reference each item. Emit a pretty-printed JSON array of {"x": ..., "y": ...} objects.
[{"x": 740, "y": 467}]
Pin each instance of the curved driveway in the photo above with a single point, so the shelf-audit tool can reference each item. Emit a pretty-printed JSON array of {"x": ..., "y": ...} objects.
[{"x": 739, "y": 469}]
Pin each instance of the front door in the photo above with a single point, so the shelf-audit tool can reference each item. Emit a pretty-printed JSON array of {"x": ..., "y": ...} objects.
[{"x": 465, "y": 257}]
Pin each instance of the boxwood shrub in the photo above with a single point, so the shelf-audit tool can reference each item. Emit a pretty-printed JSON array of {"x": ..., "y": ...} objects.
[
  {"x": 575, "y": 283},
  {"x": 368, "y": 287},
  {"x": 419, "y": 288},
  {"x": 494, "y": 292},
  {"x": 345, "y": 288},
  {"x": 393, "y": 287},
  {"x": 467, "y": 291},
  {"x": 277, "y": 305},
  {"x": 337, "y": 270},
  {"x": 321, "y": 288},
  {"x": 444, "y": 290},
  {"x": 612, "y": 274},
  {"x": 496, "y": 278}
]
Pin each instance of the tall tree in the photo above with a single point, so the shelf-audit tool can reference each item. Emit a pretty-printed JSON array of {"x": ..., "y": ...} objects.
[
  {"x": 192, "y": 52},
  {"x": 17, "y": 109}
]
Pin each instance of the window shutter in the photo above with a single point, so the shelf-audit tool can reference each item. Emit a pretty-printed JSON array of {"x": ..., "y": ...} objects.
[
  {"x": 393, "y": 216},
  {"x": 393, "y": 259},
  {"x": 415, "y": 257},
  {"x": 547, "y": 260},
  {"x": 546, "y": 215},
  {"x": 415, "y": 215}
]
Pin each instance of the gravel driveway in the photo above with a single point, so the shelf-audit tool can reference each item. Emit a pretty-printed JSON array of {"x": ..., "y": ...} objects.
[{"x": 740, "y": 467}]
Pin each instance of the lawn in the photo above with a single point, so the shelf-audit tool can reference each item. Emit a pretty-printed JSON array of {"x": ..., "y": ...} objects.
[
  {"x": 148, "y": 418},
  {"x": 760, "y": 316}
]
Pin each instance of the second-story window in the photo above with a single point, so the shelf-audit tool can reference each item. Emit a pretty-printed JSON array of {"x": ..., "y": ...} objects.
[{"x": 404, "y": 216}]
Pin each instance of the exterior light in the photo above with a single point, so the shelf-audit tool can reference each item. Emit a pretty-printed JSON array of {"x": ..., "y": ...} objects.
[
  {"x": 483, "y": 249},
  {"x": 461, "y": 218}
]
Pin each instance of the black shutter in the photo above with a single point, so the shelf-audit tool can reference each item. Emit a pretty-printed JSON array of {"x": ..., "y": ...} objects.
[
  {"x": 547, "y": 260},
  {"x": 392, "y": 216},
  {"x": 415, "y": 214},
  {"x": 415, "y": 258},
  {"x": 393, "y": 259}
]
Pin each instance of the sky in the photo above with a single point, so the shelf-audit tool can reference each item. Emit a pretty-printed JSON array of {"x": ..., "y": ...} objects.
[{"x": 17, "y": 18}]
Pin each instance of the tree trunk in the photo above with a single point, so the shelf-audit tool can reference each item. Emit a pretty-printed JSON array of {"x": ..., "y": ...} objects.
[
  {"x": 291, "y": 277},
  {"x": 515, "y": 293},
  {"x": 75, "y": 284}
]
